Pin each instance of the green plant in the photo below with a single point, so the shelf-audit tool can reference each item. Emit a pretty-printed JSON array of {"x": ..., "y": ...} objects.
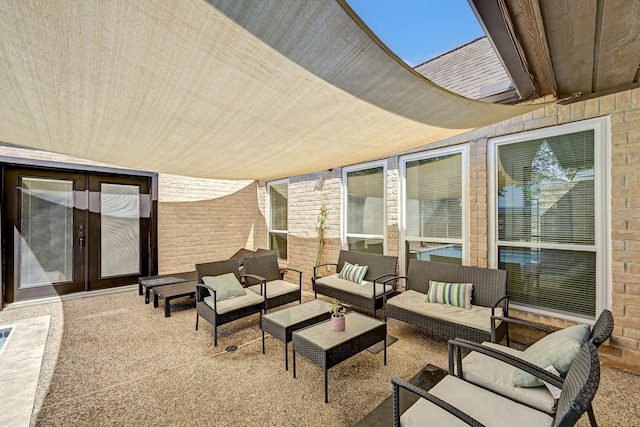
[
  {"x": 336, "y": 309},
  {"x": 322, "y": 220}
]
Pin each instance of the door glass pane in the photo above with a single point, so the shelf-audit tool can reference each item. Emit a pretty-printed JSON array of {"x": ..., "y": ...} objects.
[
  {"x": 46, "y": 231},
  {"x": 120, "y": 234}
]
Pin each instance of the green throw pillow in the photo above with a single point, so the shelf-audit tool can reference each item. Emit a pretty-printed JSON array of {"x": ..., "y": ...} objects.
[
  {"x": 456, "y": 294},
  {"x": 353, "y": 272},
  {"x": 558, "y": 349},
  {"x": 225, "y": 285}
]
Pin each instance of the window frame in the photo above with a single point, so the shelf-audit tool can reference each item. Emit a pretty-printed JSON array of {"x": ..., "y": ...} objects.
[
  {"x": 268, "y": 216},
  {"x": 345, "y": 214},
  {"x": 602, "y": 208},
  {"x": 463, "y": 150}
]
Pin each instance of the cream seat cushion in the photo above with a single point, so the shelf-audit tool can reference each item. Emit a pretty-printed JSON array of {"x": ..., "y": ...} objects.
[
  {"x": 488, "y": 408},
  {"x": 276, "y": 288},
  {"x": 365, "y": 289},
  {"x": 235, "y": 303},
  {"x": 495, "y": 375},
  {"x": 477, "y": 317}
]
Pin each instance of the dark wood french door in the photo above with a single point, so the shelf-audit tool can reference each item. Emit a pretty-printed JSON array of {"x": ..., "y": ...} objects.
[{"x": 67, "y": 231}]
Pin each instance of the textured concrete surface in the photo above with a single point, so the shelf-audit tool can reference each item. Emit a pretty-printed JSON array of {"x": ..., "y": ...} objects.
[
  {"x": 111, "y": 360},
  {"x": 20, "y": 362}
]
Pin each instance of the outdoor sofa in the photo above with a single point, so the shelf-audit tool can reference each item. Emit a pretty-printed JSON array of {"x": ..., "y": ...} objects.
[
  {"x": 370, "y": 293},
  {"x": 477, "y": 318}
]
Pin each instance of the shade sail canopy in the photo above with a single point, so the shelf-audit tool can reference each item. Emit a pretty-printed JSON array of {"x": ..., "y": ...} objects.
[{"x": 229, "y": 89}]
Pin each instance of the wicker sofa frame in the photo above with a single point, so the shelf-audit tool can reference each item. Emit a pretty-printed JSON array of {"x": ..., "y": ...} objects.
[
  {"x": 489, "y": 290},
  {"x": 210, "y": 314},
  {"x": 381, "y": 268}
]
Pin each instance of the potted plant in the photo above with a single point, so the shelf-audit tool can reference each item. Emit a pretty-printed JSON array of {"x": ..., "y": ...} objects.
[{"x": 337, "y": 316}]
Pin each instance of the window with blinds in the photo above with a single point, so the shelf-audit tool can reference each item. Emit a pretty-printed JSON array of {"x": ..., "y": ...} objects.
[
  {"x": 433, "y": 208},
  {"x": 278, "y": 218},
  {"x": 547, "y": 220},
  {"x": 365, "y": 209}
]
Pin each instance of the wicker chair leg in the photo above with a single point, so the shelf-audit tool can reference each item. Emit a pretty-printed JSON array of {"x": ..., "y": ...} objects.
[
  {"x": 592, "y": 416},
  {"x": 197, "y": 318},
  {"x": 396, "y": 405},
  {"x": 215, "y": 335}
]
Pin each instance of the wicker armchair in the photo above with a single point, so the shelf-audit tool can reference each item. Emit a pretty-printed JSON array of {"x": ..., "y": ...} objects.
[
  {"x": 488, "y": 365},
  {"x": 220, "y": 312},
  {"x": 454, "y": 402},
  {"x": 266, "y": 278}
]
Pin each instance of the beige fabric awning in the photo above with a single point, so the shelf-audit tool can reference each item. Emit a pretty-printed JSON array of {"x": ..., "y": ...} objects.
[{"x": 225, "y": 89}]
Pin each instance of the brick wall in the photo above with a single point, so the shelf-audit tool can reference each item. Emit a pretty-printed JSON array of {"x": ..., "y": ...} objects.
[
  {"x": 202, "y": 220},
  {"x": 478, "y": 202}
]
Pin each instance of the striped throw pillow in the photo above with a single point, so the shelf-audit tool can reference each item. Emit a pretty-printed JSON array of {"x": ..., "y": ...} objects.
[
  {"x": 353, "y": 272},
  {"x": 456, "y": 294}
]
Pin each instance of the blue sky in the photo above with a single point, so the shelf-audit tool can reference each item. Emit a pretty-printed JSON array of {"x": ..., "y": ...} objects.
[{"x": 418, "y": 30}]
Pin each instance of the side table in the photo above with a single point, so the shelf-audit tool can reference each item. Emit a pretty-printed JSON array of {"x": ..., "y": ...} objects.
[
  {"x": 173, "y": 291},
  {"x": 281, "y": 324},
  {"x": 150, "y": 282},
  {"x": 327, "y": 348}
]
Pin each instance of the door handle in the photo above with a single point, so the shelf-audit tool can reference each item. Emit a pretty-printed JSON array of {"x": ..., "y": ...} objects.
[{"x": 81, "y": 241}]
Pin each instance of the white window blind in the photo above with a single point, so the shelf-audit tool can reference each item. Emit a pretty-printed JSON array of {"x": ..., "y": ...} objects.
[
  {"x": 365, "y": 210},
  {"x": 279, "y": 218},
  {"x": 434, "y": 208},
  {"x": 547, "y": 221}
]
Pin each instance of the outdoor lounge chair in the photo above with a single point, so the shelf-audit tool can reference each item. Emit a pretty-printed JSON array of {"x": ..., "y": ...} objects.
[
  {"x": 271, "y": 284},
  {"x": 455, "y": 402},
  {"x": 217, "y": 310},
  {"x": 488, "y": 364}
]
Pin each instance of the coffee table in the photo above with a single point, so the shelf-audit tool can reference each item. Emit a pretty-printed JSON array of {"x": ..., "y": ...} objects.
[
  {"x": 281, "y": 324},
  {"x": 173, "y": 291},
  {"x": 150, "y": 282},
  {"x": 327, "y": 348}
]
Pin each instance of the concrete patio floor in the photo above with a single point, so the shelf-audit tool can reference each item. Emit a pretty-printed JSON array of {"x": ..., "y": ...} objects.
[{"x": 110, "y": 359}]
